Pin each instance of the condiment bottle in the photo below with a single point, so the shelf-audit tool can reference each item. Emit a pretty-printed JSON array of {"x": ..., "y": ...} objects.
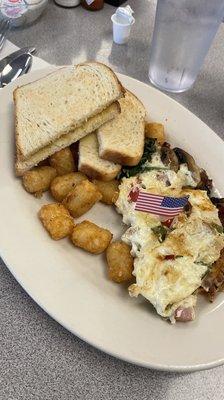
[{"x": 92, "y": 5}]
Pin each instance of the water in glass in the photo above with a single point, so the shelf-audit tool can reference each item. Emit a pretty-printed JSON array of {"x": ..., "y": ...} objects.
[{"x": 183, "y": 32}]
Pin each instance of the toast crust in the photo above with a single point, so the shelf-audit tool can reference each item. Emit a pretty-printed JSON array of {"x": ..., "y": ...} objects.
[
  {"x": 94, "y": 173},
  {"x": 109, "y": 136},
  {"x": 119, "y": 158},
  {"x": 20, "y": 155},
  {"x": 120, "y": 86},
  {"x": 92, "y": 124}
]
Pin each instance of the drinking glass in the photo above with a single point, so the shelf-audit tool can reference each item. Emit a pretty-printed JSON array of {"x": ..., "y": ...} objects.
[{"x": 183, "y": 33}]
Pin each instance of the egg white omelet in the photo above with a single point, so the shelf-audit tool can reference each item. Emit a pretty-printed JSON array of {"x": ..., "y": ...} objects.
[{"x": 168, "y": 272}]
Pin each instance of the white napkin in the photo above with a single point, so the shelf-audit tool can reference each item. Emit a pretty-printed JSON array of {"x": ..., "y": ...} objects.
[{"x": 9, "y": 47}]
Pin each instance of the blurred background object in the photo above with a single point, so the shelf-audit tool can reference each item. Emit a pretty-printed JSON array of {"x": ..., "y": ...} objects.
[
  {"x": 22, "y": 12},
  {"x": 92, "y": 5},
  {"x": 115, "y": 3},
  {"x": 183, "y": 33},
  {"x": 67, "y": 3},
  {"x": 4, "y": 27}
]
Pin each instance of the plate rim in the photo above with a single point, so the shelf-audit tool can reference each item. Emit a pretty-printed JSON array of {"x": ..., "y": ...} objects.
[{"x": 149, "y": 365}]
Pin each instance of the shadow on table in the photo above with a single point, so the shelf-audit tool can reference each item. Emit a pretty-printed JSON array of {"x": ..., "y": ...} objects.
[
  {"x": 206, "y": 98},
  {"x": 131, "y": 58},
  {"x": 87, "y": 36}
]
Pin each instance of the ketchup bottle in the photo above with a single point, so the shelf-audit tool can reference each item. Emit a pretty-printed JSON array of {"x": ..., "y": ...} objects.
[{"x": 92, "y": 5}]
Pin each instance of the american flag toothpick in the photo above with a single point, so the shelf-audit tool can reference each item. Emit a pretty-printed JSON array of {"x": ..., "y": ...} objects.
[{"x": 160, "y": 205}]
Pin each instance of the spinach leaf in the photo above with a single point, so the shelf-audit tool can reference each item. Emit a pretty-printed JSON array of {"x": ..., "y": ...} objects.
[
  {"x": 201, "y": 263},
  {"x": 149, "y": 149},
  {"x": 160, "y": 232},
  {"x": 149, "y": 168},
  {"x": 217, "y": 227}
]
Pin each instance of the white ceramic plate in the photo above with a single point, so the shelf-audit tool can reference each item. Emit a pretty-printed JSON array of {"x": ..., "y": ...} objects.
[{"x": 71, "y": 285}]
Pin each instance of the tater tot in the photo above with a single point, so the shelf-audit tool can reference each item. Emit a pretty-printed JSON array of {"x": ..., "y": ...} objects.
[
  {"x": 91, "y": 237},
  {"x": 63, "y": 161},
  {"x": 61, "y": 185},
  {"x": 120, "y": 262},
  {"x": 56, "y": 220},
  {"x": 109, "y": 190},
  {"x": 155, "y": 130},
  {"x": 80, "y": 199},
  {"x": 38, "y": 180}
]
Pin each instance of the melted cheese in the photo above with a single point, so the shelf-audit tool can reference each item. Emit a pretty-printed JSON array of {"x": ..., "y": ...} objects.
[
  {"x": 165, "y": 283},
  {"x": 194, "y": 240}
]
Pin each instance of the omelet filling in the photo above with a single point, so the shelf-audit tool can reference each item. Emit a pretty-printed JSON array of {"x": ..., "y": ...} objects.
[{"x": 170, "y": 261}]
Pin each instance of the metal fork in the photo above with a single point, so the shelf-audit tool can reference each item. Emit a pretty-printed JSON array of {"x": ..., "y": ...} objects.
[{"x": 4, "y": 27}]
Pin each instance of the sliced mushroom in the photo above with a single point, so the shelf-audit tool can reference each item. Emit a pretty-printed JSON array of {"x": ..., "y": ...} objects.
[
  {"x": 169, "y": 157},
  {"x": 188, "y": 209},
  {"x": 205, "y": 182},
  {"x": 219, "y": 203},
  {"x": 214, "y": 279},
  {"x": 186, "y": 158}
]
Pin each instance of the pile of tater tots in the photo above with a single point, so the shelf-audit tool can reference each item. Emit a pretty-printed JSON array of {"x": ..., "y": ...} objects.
[{"x": 74, "y": 195}]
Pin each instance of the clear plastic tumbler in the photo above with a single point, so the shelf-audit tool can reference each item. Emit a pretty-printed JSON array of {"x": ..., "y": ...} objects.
[{"x": 183, "y": 33}]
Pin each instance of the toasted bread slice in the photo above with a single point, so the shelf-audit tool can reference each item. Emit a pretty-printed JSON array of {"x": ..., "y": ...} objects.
[
  {"x": 64, "y": 100},
  {"x": 91, "y": 164},
  {"x": 122, "y": 140},
  {"x": 66, "y": 140}
]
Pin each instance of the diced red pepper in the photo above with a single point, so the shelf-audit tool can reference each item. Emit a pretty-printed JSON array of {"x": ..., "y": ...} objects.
[
  {"x": 167, "y": 223},
  {"x": 133, "y": 195}
]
